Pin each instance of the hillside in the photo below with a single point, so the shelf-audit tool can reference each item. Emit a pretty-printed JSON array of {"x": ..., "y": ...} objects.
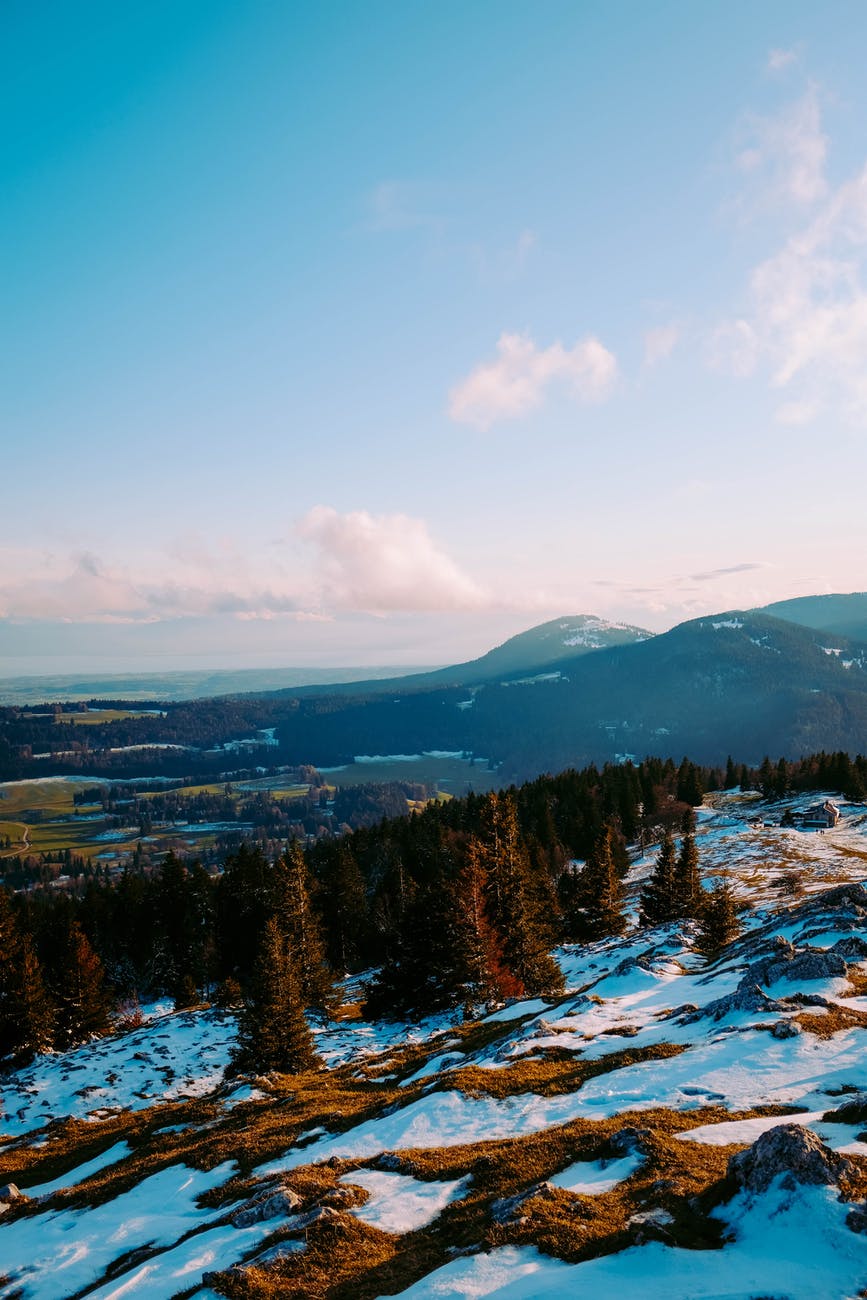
[
  {"x": 734, "y": 683},
  {"x": 842, "y": 615},
  {"x": 668, "y": 1127}
]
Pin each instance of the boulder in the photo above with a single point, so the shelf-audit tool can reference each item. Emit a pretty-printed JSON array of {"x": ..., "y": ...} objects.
[
  {"x": 628, "y": 1140},
  {"x": 11, "y": 1192},
  {"x": 276, "y": 1206},
  {"x": 792, "y": 1152},
  {"x": 746, "y": 997},
  {"x": 853, "y": 1111},
  {"x": 786, "y": 1029}
]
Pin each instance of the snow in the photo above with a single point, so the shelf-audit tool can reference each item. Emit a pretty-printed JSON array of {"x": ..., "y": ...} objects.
[
  {"x": 794, "y": 1240},
  {"x": 81, "y": 1173},
  {"x": 61, "y": 1252},
  {"x": 634, "y": 991},
  {"x": 171, "y": 1057},
  {"x": 593, "y": 1177},
  {"x": 441, "y": 1119},
  {"x": 398, "y": 1203}
]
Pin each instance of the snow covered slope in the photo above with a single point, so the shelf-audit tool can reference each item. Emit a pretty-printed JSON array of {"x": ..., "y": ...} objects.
[{"x": 587, "y": 1146}]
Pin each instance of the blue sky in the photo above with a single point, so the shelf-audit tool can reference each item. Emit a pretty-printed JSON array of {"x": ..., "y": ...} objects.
[{"x": 375, "y": 333}]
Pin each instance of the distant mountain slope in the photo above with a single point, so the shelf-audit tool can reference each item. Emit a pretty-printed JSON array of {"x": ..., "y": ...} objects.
[
  {"x": 738, "y": 683},
  {"x": 845, "y": 615},
  {"x": 555, "y": 642},
  {"x": 528, "y": 654}
]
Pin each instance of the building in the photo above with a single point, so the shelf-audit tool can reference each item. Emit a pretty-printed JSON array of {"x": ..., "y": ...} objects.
[{"x": 823, "y": 816}]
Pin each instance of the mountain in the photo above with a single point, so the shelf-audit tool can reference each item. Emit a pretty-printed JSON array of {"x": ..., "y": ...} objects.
[
  {"x": 531, "y": 652},
  {"x": 839, "y": 614},
  {"x": 738, "y": 683},
  {"x": 528, "y": 654}
]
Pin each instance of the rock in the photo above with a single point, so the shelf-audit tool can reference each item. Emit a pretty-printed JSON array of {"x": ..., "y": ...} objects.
[
  {"x": 509, "y": 1209},
  {"x": 853, "y": 1111},
  {"x": 339, "y": 1197},
  {"x": 856, "y": 1219},
  {"x": 629, "y": 1139},
  {"x": 787, "y": 964},
  {"x": 744, "y": 998},
  {"x": 11, "y": 1192},
  {"x": 793, "y": 1152},
  {"x": 786, "y": 1029},
  {"x": 273, "y": 1207},
  {"x": 685, "y": 1009},
  {"x": 852, "y": 947}
]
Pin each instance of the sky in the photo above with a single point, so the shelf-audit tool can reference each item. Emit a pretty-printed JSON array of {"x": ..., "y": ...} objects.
[{"x": 373, "y": 334}]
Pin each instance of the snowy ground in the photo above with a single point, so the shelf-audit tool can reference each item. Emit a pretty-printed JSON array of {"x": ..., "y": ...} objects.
[{"x": 648, "y": 992}]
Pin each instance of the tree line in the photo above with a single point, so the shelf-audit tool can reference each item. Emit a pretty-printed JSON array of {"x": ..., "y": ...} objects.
[{"x": 456, "y": 905}]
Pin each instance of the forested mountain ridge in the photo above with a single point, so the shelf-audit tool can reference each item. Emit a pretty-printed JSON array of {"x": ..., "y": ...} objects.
[
  {"x": 843, "y": 615},
  {"x": 735, "y": 682}
]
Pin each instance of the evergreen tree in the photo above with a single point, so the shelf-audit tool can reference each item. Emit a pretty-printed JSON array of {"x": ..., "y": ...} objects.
[
  {"x": 9, "y": 949},
  {"x": 82, "y": 1002},
  {"x": 658, "y": 897},
  {"x": 481, "y": 974},
  {"x": 688, "y": 900},
  {"x": 273, "y": 1033},
  {"x": 343, "y": 902},
  {"x": 719, "y": 921},
  {"x": 301, "y": 929},
  {"x": 516, "y": 900},
  {"x": 597, "y": 908},
  {"x": 33, "y": 1013}
]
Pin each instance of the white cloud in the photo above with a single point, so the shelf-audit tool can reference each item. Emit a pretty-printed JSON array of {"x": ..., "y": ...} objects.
[
  {"x": 332, "y": 563},
  {"x": 517, "y": 380},
  {"x": 779, "y": 60},
  {"x": 384, "y": 563},
  {"x": 784, "y": 155},
  {"x": 659, "y": 343}
]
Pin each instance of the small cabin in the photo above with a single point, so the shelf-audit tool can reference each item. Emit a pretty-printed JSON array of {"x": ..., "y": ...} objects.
[{"x": 823, "y": 816}]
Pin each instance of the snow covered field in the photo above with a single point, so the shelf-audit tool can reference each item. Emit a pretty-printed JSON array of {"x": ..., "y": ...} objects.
[{"x": 579, "y": 1145}]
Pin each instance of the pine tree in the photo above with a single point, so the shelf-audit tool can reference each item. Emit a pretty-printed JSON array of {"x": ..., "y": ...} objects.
[
  {"x": 33, "y": 1013},
  {"x": 481, "y": 974},
  {"x": 658, "y": 897},
  {"x": 515, "y": 904},
  {"x": 273, "y": 1033},
  {"x": 9, "y": 948},
  {"x": 719, "y": 922},
  {"x": 301, "y": 929},
  {"x": 688, "y": 899},
  {"x": 82, "y": 1003},
  {"x": 597, "y": 909},
  {"x": 343, "y": 902}
]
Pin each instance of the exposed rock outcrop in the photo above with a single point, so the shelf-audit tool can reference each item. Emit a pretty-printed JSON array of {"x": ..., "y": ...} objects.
[{"x": 792, "y": 1153}]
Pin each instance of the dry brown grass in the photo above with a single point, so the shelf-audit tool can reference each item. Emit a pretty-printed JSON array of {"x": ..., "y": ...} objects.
[
  {"x": 552, "y": 1074},
  {"x": 347, "y": 1260},
  {"x": 827, "y": 1023}
]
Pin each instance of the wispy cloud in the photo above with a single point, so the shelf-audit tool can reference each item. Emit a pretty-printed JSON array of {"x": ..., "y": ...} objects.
[
  {"x": 517, "y": 380},
  {"x": 660, "y": 342},
  {"x": 780, "y": 59},
  {"x": 711, "y": 575},
  {"x": 783, "y": 156},
  {"x": 805, "y": 326}
]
